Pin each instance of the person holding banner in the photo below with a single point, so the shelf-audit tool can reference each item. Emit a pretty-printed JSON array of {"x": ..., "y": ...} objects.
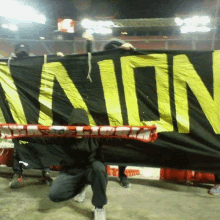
[
  {"x": 17, "y": 178},
  {"x": 82, "y": 165},
  {"x": 111, "y": 45}
]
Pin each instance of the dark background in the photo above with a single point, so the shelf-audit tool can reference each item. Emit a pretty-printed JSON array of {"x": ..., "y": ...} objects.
[{"x": 120, "y": 9}]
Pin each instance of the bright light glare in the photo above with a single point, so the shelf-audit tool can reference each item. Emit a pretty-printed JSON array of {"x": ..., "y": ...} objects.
[
  {"x": 192, "y": 28},
  {"x": 195, "y": 20},
  {"x": 179, "y": 21},
  {"x": 204, "y": 20},
  {"x": 188, "y": 21},
  {"x": 99, "y": 27},
  {"x": 19, "y": 11},
  {"x": 5, "y": 26},
  {"x": 41, "y": 19},
  {"x": 99, "y": 31},
  {"x": 203, "y": 29},
  {"x": 13, "y": 27},
  {"x": 90, "y": 31},
  {"x": 103, "y": 31},
  {"x": 86, "y": 23},
  {"x": 186, "y": 29},
  {"x": 194, "y": 24}
]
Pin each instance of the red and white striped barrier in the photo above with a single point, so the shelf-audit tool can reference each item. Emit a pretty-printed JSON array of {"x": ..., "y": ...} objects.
[{"x": 143, "y": 133}]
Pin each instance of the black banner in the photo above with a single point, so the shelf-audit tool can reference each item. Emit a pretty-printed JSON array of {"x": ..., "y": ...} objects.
[{"x": 178, "y": 91}]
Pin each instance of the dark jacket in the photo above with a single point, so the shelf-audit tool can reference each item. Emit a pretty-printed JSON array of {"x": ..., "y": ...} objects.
[{"x": 81, "y": 152}]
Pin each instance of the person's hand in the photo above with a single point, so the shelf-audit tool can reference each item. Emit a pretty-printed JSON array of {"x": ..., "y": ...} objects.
[
  {"x": 60, "y": 54},
  {"x": 127, "y": 46},
  {"x": 87, "y": 36}
]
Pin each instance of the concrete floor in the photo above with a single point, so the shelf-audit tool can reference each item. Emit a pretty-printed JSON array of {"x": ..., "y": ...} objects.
[{"x": 145, "y": 200}]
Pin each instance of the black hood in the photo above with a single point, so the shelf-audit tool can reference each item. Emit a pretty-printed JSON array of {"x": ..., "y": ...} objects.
[
  {"x": 113, "y": 44},
  {"x": 78, "y": 116},
  {"x": 22, "y": 50}
]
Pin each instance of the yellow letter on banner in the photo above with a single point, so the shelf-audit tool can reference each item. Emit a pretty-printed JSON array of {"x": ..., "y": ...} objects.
[
  {"x": 185, "y": 74},
  {"x": 110, "y": 88},
  {"x": 11, "y": 95},
  {"x": 45, "y": 97},
  {"x": 49, "y": 73},
  {"x": 159, "y": 61}
]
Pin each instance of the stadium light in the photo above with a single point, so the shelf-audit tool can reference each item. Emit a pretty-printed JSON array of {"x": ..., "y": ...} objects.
[
  {"x": 205, "y": 20},
  {"x": 11, "y": 27},
  {"x": 90, "y": 31},
  {"x": 194, "y": 24},
  {"x": 4, "y": 25},
  {"x": 86, "y": 23},
  {"x": 99, "y": 31},
  {"x": 179, "y": 21},
  {"x": 195, "y": 20},
  {"x": 14, "y": 10},
  {"x": 193, "y": 29},
  {"x": 99, "y": 27}
]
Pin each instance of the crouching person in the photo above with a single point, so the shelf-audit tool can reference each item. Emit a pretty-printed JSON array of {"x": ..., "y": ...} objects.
[{"x": 82, "y": 166}]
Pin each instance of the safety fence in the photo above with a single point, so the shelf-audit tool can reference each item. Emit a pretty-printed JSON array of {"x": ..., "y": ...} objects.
[{"x": 77, "y": 46}]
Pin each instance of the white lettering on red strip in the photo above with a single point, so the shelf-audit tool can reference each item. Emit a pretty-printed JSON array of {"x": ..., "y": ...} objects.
[{"x": 107, "y": 130}]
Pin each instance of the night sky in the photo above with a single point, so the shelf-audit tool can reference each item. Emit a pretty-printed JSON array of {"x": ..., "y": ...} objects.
[{"x": 120, "y": 9}]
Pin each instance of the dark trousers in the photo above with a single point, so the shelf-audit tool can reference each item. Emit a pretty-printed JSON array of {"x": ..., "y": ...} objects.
[
  {"x": 122, "y": 171},
  {"x": 217, "y": 178},
  {"x": 17, "y": 167},
  {"x": 67, "y": 186}
]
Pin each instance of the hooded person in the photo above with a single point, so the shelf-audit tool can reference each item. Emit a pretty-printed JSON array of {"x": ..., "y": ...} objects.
[
  {"x": 81, "y": 166},
  {"x": 112, "y": 44}
]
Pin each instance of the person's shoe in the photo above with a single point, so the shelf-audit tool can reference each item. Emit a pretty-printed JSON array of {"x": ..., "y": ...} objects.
[
  {"x": 46, "y": 178},
  {"x": 124, "y": 181},
  {"x": 215, "y": 191},
  {"x": 81, "y": 196},
  {"x": 99, "y": 214},
  {"x": 16, "y": 181}
]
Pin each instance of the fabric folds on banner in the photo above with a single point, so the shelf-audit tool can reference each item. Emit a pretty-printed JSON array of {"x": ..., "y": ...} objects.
[{"x": 177, "y": 91}]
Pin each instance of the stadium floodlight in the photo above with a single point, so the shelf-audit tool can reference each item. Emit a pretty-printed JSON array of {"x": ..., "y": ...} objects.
[
  {"x": 185, "y": 29},
  {"x": 17, "y": 10},
  {"x": 99, "y": 31},
  {"x": 194, "y": 24},
  {"x": 98, "y": 27},
  {"x": 86, "y": 23},
  {"x": 90, "y": 31},
  {"x": 41, "y": 19},
  {"x": 203, "y": 29},
  {"x": 103, "y": 31},
  {"x": 4, "y": 25},
  {"x": 188, "y": 21},
  {"x": 204, "y": 20},
  {"x": 196, "y": 20},
  {"x": 191, "y": 28},
  {"x": 13, "y": 27},
  {"x": 179, "y": 21}
]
